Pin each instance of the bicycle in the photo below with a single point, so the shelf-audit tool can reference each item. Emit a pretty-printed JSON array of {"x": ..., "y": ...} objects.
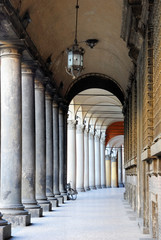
[{"x": 71, "y": 193}]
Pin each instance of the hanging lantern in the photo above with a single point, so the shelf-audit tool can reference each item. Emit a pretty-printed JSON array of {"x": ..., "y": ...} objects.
[
  {"x": 75, "y": 60},
  {"x": 75, "y": 54}
]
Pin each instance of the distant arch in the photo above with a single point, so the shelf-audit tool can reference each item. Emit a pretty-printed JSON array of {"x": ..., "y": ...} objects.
[{"x": 94, "y": 80}]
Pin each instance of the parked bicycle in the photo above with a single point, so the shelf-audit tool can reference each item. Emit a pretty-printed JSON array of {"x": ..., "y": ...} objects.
[{"x": 71, "y": 193}]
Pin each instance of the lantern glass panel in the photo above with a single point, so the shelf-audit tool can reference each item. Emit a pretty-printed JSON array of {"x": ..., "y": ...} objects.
[
  {"x": 77, "y": 59},
  {"x": 70, "y": 59},
  {"x": 81, "y": 60}
]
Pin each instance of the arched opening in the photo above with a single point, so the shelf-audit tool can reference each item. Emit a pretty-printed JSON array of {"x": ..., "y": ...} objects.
[
  {"x": 95, "y": 104},
  {"x": 94, "y": 80}
]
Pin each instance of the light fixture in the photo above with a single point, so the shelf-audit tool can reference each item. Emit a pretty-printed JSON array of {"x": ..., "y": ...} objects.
[
  {"x": 75, "y": 54},
  {"x": 91, "y": 42}
]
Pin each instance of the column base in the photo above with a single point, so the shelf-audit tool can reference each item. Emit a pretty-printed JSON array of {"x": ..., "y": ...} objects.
[
  {"x": 104, "y": 186},
  {"x": 33, "y": 208},
  {"x": 64, "y": 196},
  {"x": 18, "y": 220},
  {"x": 54, "y": 201},
  {"x": 5, "y": 231},
  {"x": 121, "y": 185},
  {"x": 93, "y": 187},
  {"x": 45, "y": 205},
  {"x": 108, "y": 186},
  {"x": 80, "y": 189},
  {"x": 35, "y": 212},
  {"x": 60, "y": 199},
  {"x": 87, "y": 189},
  {"x": 98, "y": 187}
]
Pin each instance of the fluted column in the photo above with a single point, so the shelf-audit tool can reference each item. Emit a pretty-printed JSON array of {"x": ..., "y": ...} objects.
[
  {"x": 71, "y": 167},
  {"x": 80, "y": 158},
  {"x": 97, "y": 162},
  {"x": 40, "y": 145},
  {"x": 120, "y": 172},
  {"x": 114, "y": 172},
  {"x": 86, "y": 160},
  {"x": 49, "y": 150},
  {"x": 61, "y": 153},
  {"x": 91, "y": 161},
  {"x": 28, "y": 141},
  {"x": 102, "y": 151},
  {"x": 11, "y": 131},
  {"x": 56, "y": 151},
  {"x": 108, "y": 171}
]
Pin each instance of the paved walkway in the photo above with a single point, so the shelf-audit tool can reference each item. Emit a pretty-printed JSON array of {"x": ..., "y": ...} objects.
[{"x": 95, "y": 215}]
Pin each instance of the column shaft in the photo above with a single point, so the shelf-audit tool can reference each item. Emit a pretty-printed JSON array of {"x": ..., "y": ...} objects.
[
  {"x": 61, "y": 153},
  {"x": 108, "y": 171},
  {"x": 97, "y": 162},
  {"x": 5, "y": 229},
  {"x": 120, "y": 172},
  {"x": 40, "y": 146},
  {"x": 91, "y": 162},
  {"x": 86, "y": 160},
  {"x": 114, "y": 172},
  {"x": 102, "y": 150},
  {"x": 72, "y": 153},
  {"x": 28, "y": 141},
  {"x": 65, "y": 145},
  {"x": 79, "y": 158},
  {"x": 56, "y": 152},
  {"x": 11, "y": 130},
  {"x": 49, "y": 151}
]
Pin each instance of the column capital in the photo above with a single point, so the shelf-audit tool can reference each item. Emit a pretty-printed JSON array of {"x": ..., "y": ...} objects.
[
  {"x": 108, "y": 157},
  {"x": 97, "y": 138},
  {"x": 113, "y": 159},
  {"x": 38, "y": 83},
  {"x": 9, "y": 49},
  {"x": 91, "y": 135},
  {"x": 48, "y": 96},
  {"x": 86, "y": 131},
  {"x": 28, "y": 67},
  {"x": 61, "y": 108},
  {"x": 79, "y": 128},
  {"x": 71, "y": 124}
]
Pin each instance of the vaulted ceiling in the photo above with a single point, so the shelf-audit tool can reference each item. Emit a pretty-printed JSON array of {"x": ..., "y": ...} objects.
[{"x": 52, "y": 31}]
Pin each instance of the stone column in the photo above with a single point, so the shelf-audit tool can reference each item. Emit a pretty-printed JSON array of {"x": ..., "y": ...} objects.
[
  {"x": 97, "y": 162},
  {"x": 61, "y": 153},
  {"x": 71, "y": 176},
  {"x": 79, "y": 158},
  {"x": 5, "y": 228},
  {"x": 86, "y": 160},
  {"x": 28, "y": 141},
  {"x": 40, "y": 145},
  {"x": 49, "y": 151},
  {"x": 102, "y": 150},
  {"x": 91, "y": 161},
  {"x": 114, "y": 172},
  {"x": 65, "y": 144},
  {"x": 108, "y": 171},
  {"x": 56, "y": 151},
  {"x": 11, "y": 141},
  {"x": 120, "y": 173}
]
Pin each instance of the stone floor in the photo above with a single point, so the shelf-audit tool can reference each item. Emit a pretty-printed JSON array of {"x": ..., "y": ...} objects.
[{"x": 96, "y": 215}]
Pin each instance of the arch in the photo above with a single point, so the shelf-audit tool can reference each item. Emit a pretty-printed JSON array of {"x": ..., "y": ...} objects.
[
  {"x": 94, "y": 80},
  {"x": 114, "y": 130}
]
